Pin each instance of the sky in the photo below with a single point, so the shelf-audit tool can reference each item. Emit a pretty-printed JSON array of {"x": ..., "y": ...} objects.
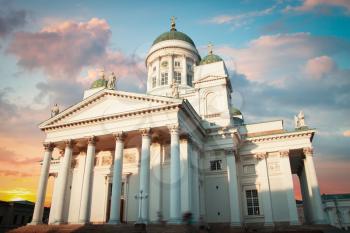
[{"x": 283, "y": 56}]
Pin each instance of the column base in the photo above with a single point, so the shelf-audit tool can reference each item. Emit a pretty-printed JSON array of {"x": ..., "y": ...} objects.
[
  {"x": 174, "y": 221},
  {"x": 235, "y": 224},
  {"x": 83, "y": 222},
  {"x": 33, "y": 223},
  {"x": 116, "y": 221}
]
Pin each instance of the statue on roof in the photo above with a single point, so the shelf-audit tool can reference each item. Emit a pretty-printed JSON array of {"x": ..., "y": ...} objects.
[
  {"x": 210, "y": 48},
  {"x": 55, "y": 110},
  {"x": 299, "y": 120},
  {"x": 111, "y": 81},
  {"x": 175, "y": 90}
]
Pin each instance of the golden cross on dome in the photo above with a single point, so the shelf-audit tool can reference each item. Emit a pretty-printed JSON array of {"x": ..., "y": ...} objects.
[
  {"x": 172, "y": 22},
  {"x": 210, "y": 48}
]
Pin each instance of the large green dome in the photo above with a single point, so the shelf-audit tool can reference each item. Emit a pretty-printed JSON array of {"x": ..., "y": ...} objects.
[
  {"x": 211, "y": 58},
  {"x": 99, "y": 83},
  {"x": 173, "y": 35}
]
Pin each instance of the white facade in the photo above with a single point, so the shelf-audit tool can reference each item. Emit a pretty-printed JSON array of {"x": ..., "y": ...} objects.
[{"x": 183, "y": 147}]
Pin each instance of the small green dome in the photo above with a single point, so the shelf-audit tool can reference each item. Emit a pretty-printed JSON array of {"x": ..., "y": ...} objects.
[
  {"x": 173, "y": 35},
  {"x": 211, "y": 58},
  {"x": 235, "y": 111},
  {"x": 99, "y": 83}
]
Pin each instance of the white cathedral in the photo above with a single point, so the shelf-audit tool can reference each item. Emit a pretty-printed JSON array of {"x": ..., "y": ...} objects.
[{"x": 179, "y": 148}]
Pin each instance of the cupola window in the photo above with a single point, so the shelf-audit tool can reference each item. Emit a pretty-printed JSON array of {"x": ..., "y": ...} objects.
[
  {"x": 164, "y": 79},
  {"x": 189, "y": 79},
  {"x": 177, "y": 64},
  {"x": 177, "y": 77},
  {"x": 154, "y": 81}
]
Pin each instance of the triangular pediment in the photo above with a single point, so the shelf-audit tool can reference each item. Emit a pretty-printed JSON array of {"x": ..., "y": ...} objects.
[
  {"x": 210, "y": 78},
  {"x": 108, "y": 103}
]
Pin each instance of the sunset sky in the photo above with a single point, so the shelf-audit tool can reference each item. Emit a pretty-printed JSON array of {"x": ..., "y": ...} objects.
[{"x": 283, "y": 56}]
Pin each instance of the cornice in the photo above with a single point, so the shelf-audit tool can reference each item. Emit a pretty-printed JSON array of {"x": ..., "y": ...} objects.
[{"x": 288, "y": 135}]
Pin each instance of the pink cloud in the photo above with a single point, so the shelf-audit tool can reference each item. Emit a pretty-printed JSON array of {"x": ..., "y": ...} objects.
[
  {"x": 275, "y": 59},
  {"x": 319, "y": 67},
  {"x": 309, "y": 5},
  {"x": 62, "y": 49},
  {"x": 346, "y": 133}
]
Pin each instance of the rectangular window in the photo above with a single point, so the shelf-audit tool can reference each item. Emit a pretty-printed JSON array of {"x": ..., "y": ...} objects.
[
  {"x": 177, "y": 63},
  {"x": 189, "y": 80},
  {"x": 215, "y": 165},
  {"x": 249, "y": 169},
  {"x": 177, "y": 77},
  {"x": 252, "y": 202},
  {"x": 164, "y": 79},
  {"x": 189, "y": 67},
  {"x": 154, "y": 68},
  {"x": 154, "y": 81}
]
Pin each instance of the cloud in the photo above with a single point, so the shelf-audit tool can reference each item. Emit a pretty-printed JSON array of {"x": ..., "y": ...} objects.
[
  {"x": 14, "y": 173},
  {"x": 11, "y": 19},
  {"x": 62, "y": 49},
  {"x": 320, "y": 67},
  {"x": 239, "y": 20},
  {"x": 346, "y": 133},
  {"x": 320, "y": 5},
  {"x": 13, "y": 158},
  {"x": 275, "y": 58}
]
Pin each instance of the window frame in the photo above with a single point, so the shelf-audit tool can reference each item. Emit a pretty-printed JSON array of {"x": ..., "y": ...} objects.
[
  {"x": 177, "y": 77},
  {"x": 164, "y": 78},
  {"x": 217, "y": 165},
  {"x": 154, "y": 81},
  {"x": 245, "y": 204}
]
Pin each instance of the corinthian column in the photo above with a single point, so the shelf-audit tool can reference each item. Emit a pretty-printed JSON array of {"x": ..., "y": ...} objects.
[
  {"x": 175, "y": 177},
  {"x": 313, "y": 189},
  {"x": 117, "y": 178},
  {"x": 289, "y": 189},
  {"x": 235, "y": 214},
  {"x": 144, "y": 174},
  {"x": 62, "y": 187},
  {"x": 44, "y": 175},
  {"x": 84, "y": 214}
]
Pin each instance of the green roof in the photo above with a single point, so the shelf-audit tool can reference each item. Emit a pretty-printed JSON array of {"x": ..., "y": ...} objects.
[
  {"x": 211, "y": 58},
  {"x": 235, "y": 111},
  {"x": 99, "y": 83},
  {"x": 173, "y": 35}
]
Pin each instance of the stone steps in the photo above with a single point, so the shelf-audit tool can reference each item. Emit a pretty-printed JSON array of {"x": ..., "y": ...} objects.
[{"x": 130, "y": 228}]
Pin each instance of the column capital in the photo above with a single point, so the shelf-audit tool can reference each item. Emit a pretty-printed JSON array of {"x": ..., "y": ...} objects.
[
  {"x": 185, "y": 137},
  {"x": 260, "y": 155},
  {"x": 54, "y": 175},
  {"x": 231, "y": 152},
  {"x": 174, "y": 129},
  {"x": 92, "y": 140},
  {"x": 308, "y": 151},
  {"x": 119, "y": 136},
  {"x": 48, "y": 146},
  {"x": 69, "y": 142},
  {"x": 284, "y": 153},
  {"x": 145, "y": 132}
]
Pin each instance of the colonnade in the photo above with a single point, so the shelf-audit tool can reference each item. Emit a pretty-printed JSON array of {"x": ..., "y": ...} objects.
[{"x": 84, "y": 212}]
